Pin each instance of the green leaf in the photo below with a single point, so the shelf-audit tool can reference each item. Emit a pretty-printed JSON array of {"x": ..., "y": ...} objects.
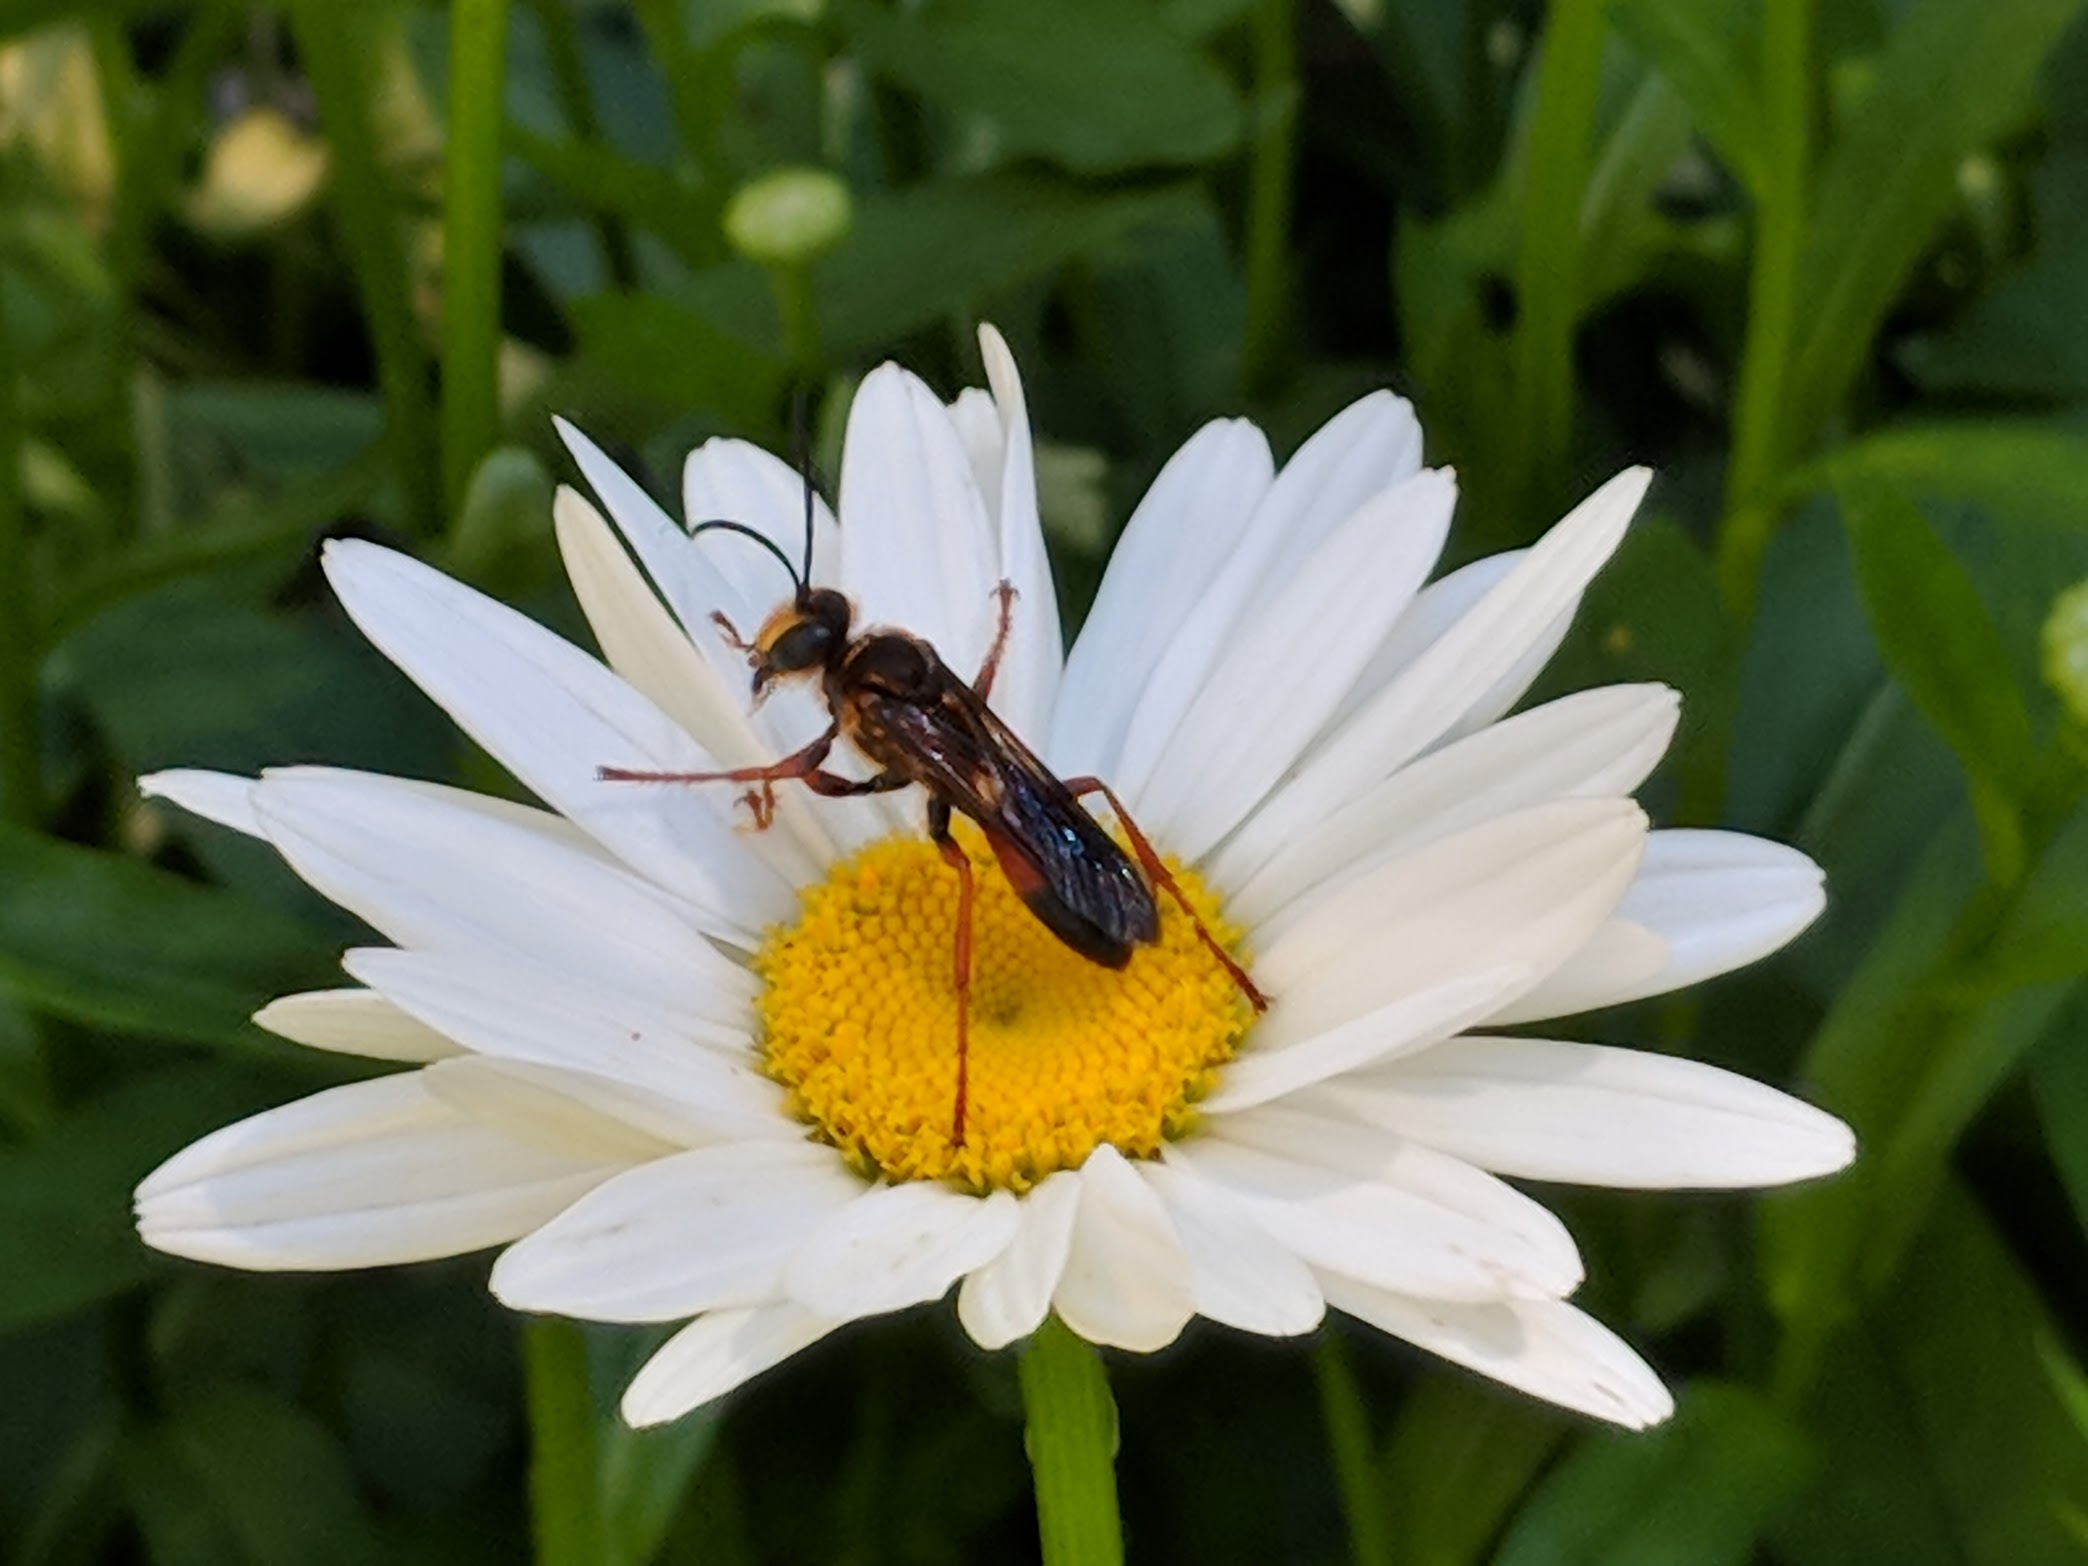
[
  {"x": 945, "y": 248},
  {"x": 646, "y": 1476},
  {"x": 1701, "y": 47},
  {"x": 2059, "y": 1079},
  {"x": 1859, "y": 1062},
  {"x": 1095, "y": 87},
  {"x": 106, "y": 940},
  {"x": 605, "y": 180},
  {"x": 659, "y": 349},
  {"x": 1940, "y": 644},
  {"x": 1460, "y": 1457},
  {"x": 65, "y": 1199},
  {"x": 1702, "y": 1489},
  {"x": 1942, "y": 1440},
  {"x": 1953, "y": 73},
  {"x": 272, "y": 1479},
  {"x": 2021, "y": 468}
]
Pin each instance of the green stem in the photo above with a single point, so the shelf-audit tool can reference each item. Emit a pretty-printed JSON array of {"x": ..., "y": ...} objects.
[
  {"x": 21, "y": 746},
  {"x": 1759, "y": 430},
  {"x": 336, "y": 48},
  {"x": 471, "y": 243},
  {"x": 792, "y": 283},
  {"x": 1269, "y": 175},
  {"x": 564, "y": 1464},
  {"x": 555, "y": 21},
  {"x": 1071, "y": 1437},
  {"x": 1547, "y": 272},
  {"x": 667, "y": 40},
  {"x": 1356, "y": 1469}
]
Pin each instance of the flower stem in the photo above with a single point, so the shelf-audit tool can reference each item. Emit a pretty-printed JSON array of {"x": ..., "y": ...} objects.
[
  {"x": 338, "y": 52},
  {"x": 565, "y": 1501},
  {"x": 21, "y": 772},
  {"x": 1071, "y": 1438},
  {"x": 792, "y": 282},
  {"x": 1356, "y": 1469},
  {"x": 1547, "y": 271},
  {"x": 1269, "y": 162},
  {"x": 1759, "y": 436},
  {"x": 471, "y": 243}
]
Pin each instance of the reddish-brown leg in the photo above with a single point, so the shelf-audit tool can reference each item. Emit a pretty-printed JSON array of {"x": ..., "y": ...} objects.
[
  {"x": 1157, "y": 872},
  {"x": 984, "y": 683},
  {"x": 955, "y": 856},
  {"x": 761, "y": 799},
  {"x": 733, "y": 639}
]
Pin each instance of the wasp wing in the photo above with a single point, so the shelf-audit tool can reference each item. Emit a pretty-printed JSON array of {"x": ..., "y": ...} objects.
[{"x": 1068, "y": 870}]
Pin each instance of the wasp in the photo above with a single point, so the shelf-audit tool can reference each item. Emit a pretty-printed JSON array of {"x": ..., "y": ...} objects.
[{"x": 891, "y": 697}]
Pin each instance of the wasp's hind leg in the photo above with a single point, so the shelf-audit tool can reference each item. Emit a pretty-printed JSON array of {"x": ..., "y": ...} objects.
[
  {"x": 1158, "y": 873},
  {"x": 1006, "y": 595},
  {"x": 954, "y": 855}
]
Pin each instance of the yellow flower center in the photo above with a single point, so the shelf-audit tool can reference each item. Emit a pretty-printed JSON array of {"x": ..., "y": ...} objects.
[{"x": 859, "y": 1021}]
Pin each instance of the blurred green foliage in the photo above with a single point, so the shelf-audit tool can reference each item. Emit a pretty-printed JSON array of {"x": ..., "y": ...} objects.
[{"x": 272, "y": 274}]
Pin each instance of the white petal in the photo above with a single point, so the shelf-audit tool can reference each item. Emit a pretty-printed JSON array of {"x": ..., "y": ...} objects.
[
  {"x": 1525, "y": 891},
  {"x": 1127, "y": 1278},
  {"x": 698, "y": 1231},
  {"x": 1434, "y": 612},
  {"x": 1720, "y": 900},
  {"x": 1594, "y": 744},
  {"x": 1382, "y": 1208},
  {"x": 432, "y": 871},
  {"x": 553, "y": 716},
  {"x": 1266, "y": 1072},
  {"x": 1440, "y": 687},
  {"x": 1366, "y": 448},
  {"x": 565, "y": 1110},
  {"x": 1029, "y": 671},
  {"x": 736, "y": 481},
  {"x": 1544, "y": 1347},
  {"x": 1239, "y": 1275},
  {"x": 1618, "y": 959},
  {"x": 917, "y": 551},
  {"x": 1591, "y": 1115},
  {"x": 354, "y": 1022},
  {"x": 1278, "y": 679},
  {"x": 689, "y": 578},
  {"x": 898, "y": 1245},
  {"x": 1008, "y": 1297},
  {"x": 645, "y": 645},
  {"x": 976, "y": 418},
  {"x": 215, "y": 796},
  {"x": 514, "y": 1014},
  {"x": 358, "y": 1176},
  {"x": 714, "y": 1354},
  {"x": 1177, "y": 540}
]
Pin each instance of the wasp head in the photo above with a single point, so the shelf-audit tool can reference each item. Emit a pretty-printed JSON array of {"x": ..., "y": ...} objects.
[{"x": 805, "y": 636}]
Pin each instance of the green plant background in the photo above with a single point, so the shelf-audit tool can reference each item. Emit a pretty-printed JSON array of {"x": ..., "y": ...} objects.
[{"x": 1822, "y": 262}]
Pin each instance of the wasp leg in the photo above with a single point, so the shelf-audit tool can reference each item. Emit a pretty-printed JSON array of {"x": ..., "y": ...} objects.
[
  {"x": 1007, "y": 595},
  {"x": 1158, "y": 873},
  {"x": 761, "y": 799},
  {"x": 835, "y": 786},
  {"x": 958, "y": 860},
  {"x": 730, "y": 632}
]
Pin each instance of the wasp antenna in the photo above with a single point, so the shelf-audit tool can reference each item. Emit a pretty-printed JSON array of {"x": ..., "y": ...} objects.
[
  {"x": 801, "y": 435},
  {"x": 720, "y": 524}
]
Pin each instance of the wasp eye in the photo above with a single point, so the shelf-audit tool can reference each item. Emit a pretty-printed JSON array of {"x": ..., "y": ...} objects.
[{"x": 800, "y": 647}]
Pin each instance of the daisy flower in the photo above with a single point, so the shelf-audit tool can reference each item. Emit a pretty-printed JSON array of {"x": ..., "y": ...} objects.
[{"x": 689, "y": 1071}]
